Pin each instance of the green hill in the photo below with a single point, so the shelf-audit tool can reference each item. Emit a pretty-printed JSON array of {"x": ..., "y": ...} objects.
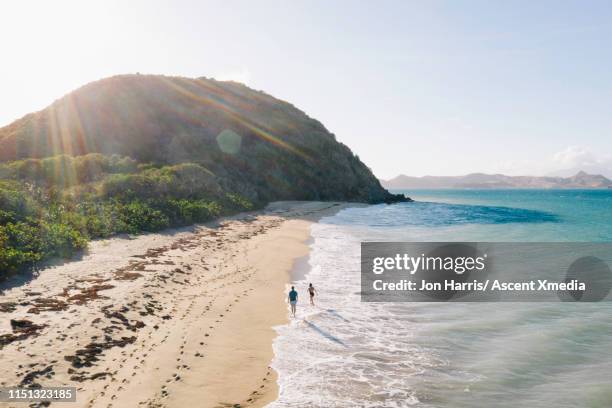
[{"x": 141, "y": 152}]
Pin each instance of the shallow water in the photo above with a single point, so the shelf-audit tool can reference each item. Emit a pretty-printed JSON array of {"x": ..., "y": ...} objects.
[{"x": 344, "y": 353}]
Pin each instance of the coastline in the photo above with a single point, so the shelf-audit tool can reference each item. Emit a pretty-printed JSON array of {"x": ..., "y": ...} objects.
[{"x": 162, "y": 320}]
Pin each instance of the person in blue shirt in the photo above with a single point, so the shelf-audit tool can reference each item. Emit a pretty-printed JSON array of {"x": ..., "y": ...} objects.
[{"x": 293, "y": 296}]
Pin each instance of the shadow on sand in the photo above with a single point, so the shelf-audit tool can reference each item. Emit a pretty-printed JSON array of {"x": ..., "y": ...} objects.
[
  {"x": 336, "y": 314},
  {"x": 325, "y": 334}
]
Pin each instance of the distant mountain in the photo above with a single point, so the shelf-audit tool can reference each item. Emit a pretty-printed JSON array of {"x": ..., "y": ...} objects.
[{"x": 481, "y": 180}]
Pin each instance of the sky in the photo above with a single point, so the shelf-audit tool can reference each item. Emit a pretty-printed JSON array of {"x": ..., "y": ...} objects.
[{"x": 412, "y": 87}]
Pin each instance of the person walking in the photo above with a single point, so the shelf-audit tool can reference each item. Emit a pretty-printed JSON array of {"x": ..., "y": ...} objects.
[
  {"x": 293, "y": 297},
  {"x": 311, "y": 292}
]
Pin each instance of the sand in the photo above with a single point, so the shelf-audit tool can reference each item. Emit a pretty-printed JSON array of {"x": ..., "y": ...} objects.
[{"x": 177, "y": 319}]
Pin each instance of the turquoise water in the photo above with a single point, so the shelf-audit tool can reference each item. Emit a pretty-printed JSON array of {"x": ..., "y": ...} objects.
[
  {"x": 498, "y": 215},
  {"x": 345, "y": 353},
  {"x": 574, "y": 215}
]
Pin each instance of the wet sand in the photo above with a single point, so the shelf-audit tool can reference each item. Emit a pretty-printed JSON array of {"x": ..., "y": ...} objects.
[{"x": 173, "y": 319}]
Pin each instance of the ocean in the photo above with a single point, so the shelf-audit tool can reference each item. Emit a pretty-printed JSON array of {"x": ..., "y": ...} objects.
[{"x": 345, "y": 353}]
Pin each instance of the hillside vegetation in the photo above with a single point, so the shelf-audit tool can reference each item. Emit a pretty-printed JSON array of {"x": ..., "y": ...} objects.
[{"x": 141, "y": 153}]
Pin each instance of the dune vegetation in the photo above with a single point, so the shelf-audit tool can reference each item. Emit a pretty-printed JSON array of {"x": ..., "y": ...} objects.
[{"x": 52, "y": 207}]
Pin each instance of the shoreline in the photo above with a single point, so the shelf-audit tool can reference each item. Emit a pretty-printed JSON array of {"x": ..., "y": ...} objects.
[{"x": 162, "y": 320}]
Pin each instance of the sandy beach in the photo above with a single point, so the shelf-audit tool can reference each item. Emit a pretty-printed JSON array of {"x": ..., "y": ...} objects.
[{"x": 160, "y": 320}]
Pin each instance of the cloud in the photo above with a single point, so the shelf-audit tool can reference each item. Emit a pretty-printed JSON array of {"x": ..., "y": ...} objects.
[
  {"x": 564, "y": 163},
  {"x": 576, "y": 158},
  {"x": 242, "y": 75}
]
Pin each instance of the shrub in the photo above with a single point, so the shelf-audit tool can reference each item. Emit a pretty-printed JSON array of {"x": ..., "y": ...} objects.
[
  {"x": 139, "y": 216},
  {"x": 184, "y": 212},
  {"x": 51, "y": 207},
  {"x": 61, "y": 240},
  {"x": 239, "y": 203}
]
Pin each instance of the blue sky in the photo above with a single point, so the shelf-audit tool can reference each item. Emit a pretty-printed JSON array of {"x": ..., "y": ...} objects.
[{"x": 427, "y": 87}]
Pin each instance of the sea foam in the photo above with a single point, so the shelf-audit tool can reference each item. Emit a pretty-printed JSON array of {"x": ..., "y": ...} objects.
[{"x": 345, "y": 353}]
